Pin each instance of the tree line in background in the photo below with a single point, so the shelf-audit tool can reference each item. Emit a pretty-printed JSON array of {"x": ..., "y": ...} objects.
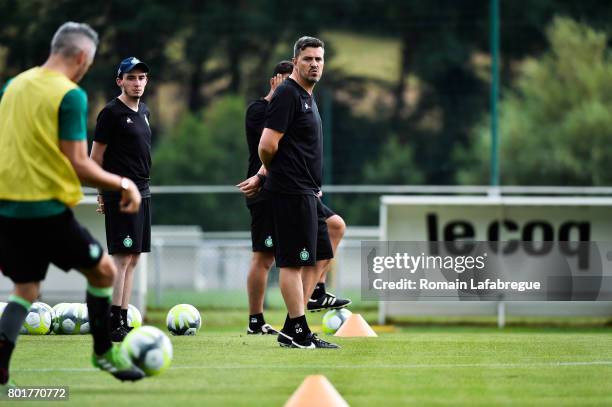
[{"x": 425, "y": 122}]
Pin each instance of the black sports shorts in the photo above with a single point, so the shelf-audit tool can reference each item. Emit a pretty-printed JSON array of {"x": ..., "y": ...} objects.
[
  {"x": 125, "y": 232},
  {"x": 27, "y": 246},
  {"x": 262, "y": 226},
  {"x": 300, "y": 230},
  {"x": 326, "y": 212}
]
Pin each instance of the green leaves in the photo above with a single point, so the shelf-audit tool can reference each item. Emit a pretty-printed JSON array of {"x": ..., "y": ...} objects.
[
  {"x": 208, "y": 148},
  {"x": 555, "y": 125},
  {"x": 204, "y": 149}
]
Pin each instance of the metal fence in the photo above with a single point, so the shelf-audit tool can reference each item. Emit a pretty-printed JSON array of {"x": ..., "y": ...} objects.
[
  {"x": 184, "y": 258},
  {"x": 187, "y": 258}
]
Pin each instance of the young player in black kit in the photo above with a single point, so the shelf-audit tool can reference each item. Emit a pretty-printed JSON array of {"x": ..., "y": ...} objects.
[
  {"x": 262, "y": 227},
  {"x": 291, "y": 149},
  {"x": 122, "y": 144}
]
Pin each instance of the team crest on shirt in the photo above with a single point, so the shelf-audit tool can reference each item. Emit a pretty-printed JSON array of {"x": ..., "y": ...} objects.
[
  {"x": 306, "y": 106},
  {"x": 129, "y": 120},
  {"x": 304, "y": 255},
  {"x": 268, "y": 242},
  {"x": 128, "y": 242}
]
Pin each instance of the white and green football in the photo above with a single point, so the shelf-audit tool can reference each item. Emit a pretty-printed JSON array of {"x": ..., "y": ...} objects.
[
  {"x": 52, "y": 311},
  {"x": 73, "y": 319},
  {"x": 85, "y": 320},
  {"x": 39, "y": 320},
  {"x": 333, "y": 320},
  {"x": 134, "y": 318},
  {"x": 149, "y": 348},
  {"x": 183, "y": 319},
  {"x": 57, "y": 311}
]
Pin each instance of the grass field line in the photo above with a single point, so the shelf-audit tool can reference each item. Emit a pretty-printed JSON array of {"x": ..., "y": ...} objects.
[{"x": 387, "y": 366}]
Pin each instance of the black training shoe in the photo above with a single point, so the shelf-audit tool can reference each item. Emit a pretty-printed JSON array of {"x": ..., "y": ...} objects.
[
  {"x": 327, "y": 301},
  {"x": 118, "y": 334},
  {"x": 312, "y": 341},
  {"x": 284, "y": 340},
  {"x": 265, "y": 329},
  {"x": 117, "y": 362}
]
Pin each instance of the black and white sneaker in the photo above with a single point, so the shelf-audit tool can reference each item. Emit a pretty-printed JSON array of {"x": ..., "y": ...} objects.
[
  {"x": 327, "y": 301},
  {"x": 284, "y": 340},
  {"x": 265, "y": 329},
  {"x": 312, "y": 341}
]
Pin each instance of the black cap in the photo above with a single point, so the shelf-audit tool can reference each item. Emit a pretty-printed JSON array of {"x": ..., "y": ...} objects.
[{"x": 128, "y": 64}]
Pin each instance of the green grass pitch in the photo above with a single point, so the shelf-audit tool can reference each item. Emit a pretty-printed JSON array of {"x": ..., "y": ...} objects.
[{"x": 437, "y": 366}]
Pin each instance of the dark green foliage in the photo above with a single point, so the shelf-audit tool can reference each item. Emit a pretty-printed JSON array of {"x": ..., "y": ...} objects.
[
  {"x": 209, "y": 149},
  {"x": 431, "y": 103},
  {"x": 555, "y": 124}
]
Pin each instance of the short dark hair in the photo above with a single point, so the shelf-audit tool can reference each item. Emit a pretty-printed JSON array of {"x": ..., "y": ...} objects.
[
  {"x": 283, "y": 67},
  {"x": 305, "y": 42}
]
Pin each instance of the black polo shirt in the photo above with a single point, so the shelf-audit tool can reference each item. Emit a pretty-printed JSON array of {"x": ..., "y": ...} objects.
[
  {"x": 127, "y": 136},
  {"x": 254, "y": 121},
  {"x": 297, "y": 166}
]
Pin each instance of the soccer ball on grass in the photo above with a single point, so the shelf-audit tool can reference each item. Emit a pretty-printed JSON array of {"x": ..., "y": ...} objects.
[
  {"x": 149, "y": 348},
  {"x": 333, "y": 320},
  {"x": 183, "y": 319}
]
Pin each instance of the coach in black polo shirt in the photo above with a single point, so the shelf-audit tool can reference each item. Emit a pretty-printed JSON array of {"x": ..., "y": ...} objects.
[
  {"x": 122, "y": 144},
  {"x": 291, "y": 151}
]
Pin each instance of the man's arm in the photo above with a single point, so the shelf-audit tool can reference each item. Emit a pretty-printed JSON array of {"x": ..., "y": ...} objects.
[
  {"x": 97, "y": 154},
  {"x": 268, "y": 145},
  {"x": 91, "y": 173},
  {"x": 73, "y": 144}
]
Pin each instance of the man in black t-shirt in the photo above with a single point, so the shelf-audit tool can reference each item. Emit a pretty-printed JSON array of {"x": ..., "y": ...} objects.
[
  {"x": 290, "y": 149},
  {"x": 122, "y": 144},
  {"x": 262, "y": 226}
]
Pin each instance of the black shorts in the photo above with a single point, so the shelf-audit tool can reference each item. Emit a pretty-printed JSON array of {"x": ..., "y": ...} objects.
[
  {"x": 27, "y": 246},
  {"x": 300, "y": 230},
  {"x": 125, "y": 232},
  {"x": 325, "y": 211},
  {"x": 262, "y": 226}
]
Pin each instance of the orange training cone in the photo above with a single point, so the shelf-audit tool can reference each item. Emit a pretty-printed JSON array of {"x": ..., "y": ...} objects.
[
  {"x": 317, "y": 391},
  {"x": 355, "y": 326}
]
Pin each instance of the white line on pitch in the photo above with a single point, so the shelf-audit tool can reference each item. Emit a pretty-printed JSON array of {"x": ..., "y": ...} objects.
[
  {"x": 398, "y": 366},
  {"x": 415, "y": 365}
]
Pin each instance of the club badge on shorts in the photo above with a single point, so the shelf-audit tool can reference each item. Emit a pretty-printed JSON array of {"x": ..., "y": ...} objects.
[
  {"x": 268, "y": 242},
  {"x": 94, "y": 251},
  {"x": 128, "y": 242},
  {"x": 304, "y": 255}
]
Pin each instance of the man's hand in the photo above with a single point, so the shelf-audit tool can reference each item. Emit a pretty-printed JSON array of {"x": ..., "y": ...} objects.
[
  {"x": 100, "y": 208},
  {"x": 274, "y": 82},
  {"x": 130, "y": 198},
  {"x": 250, "y": 186}
]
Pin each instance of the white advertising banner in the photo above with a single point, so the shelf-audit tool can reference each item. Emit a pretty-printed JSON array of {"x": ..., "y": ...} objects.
[{"x": 518, "y": 226}]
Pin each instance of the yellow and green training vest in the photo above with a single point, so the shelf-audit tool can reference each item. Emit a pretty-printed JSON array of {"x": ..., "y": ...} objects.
[{"x": 32, "y": 167}]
